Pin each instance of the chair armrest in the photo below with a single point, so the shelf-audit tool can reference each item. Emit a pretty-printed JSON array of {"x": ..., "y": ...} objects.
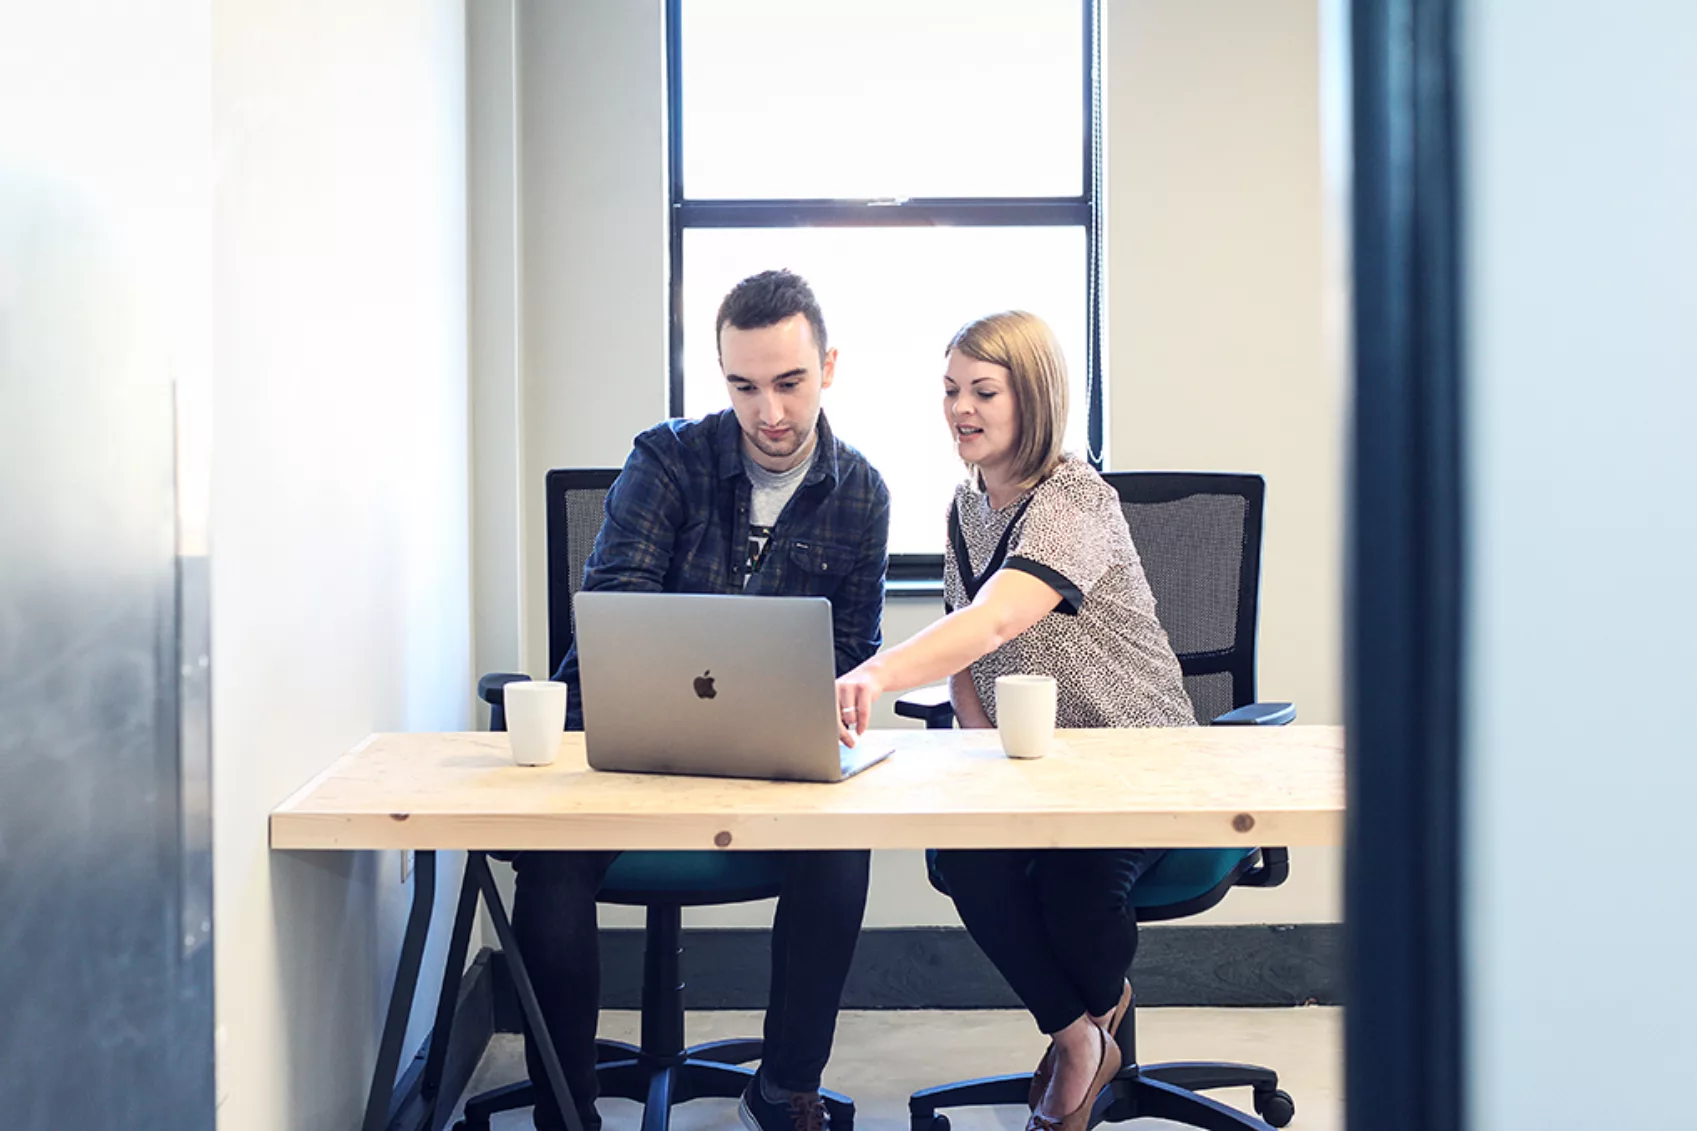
[
  {"x": 1259, "y": 715},
  {"x": 1272, "y": 871},
  {"x": 491, "y": 687},
  {"x": 1274, "y": 867},
  {"x": 928, "y": 703}
]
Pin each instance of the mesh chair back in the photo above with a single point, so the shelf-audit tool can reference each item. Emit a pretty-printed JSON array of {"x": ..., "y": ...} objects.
[
  {"x": 576, "y": 498},
  {"x": 1199, "y": 535}
]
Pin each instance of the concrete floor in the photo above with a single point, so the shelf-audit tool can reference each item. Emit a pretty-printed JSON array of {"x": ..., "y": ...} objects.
[{"x": 884, "y": 1056}]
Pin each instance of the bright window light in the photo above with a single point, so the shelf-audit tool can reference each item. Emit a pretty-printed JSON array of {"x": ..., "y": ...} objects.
[
  {"x": 882, "y": 98},
  {"x": 892, "y": 298}
]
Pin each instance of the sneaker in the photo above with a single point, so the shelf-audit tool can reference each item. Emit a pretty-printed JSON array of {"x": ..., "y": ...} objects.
[{"x": 804, "y": 1111}]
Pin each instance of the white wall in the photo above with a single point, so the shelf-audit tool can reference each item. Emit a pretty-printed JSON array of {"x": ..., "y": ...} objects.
[
  {"x": 569, "y": 262},
  {"x": 593, "y": 199},
  {"x": 1581, "y": 384},
  {"x": 1215, "y": 270},
  {"x": 1218, "y": 360},
  {"x": 1217, "y": 354},
  {"x": 494, "y": 260},
  {"x": 340, "y": 554}
]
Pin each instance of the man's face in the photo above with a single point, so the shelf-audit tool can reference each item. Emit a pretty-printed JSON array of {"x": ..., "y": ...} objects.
[{"x": 775, "y": 376}]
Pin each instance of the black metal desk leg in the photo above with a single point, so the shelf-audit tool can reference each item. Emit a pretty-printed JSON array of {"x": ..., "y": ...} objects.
[
  {"x": 400, "y": 999},
  {"x": 448, "y": 1001},
  {"x": 527, "y": 994}
]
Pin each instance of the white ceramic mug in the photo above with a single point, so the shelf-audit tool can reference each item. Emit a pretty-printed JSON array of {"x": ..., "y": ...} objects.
[
  {"x": 536, "y": 718},
  {"x": 1025, "y": 714}
]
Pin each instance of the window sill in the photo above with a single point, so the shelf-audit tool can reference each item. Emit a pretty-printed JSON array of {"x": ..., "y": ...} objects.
[{"x": 914, "y": 587}]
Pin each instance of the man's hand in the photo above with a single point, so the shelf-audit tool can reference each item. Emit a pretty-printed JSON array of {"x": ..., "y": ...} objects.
[{"x": 856, "y": 692}]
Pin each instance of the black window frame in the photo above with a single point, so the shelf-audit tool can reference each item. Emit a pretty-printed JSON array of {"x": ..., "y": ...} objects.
[{"x": 1084, "y": 210}]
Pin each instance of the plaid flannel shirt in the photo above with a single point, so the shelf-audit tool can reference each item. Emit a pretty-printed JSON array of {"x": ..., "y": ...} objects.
[{"x": 677, "y": 522}]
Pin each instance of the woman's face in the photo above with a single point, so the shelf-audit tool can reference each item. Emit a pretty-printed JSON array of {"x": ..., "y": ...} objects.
[{"x": 978, "y": 404}]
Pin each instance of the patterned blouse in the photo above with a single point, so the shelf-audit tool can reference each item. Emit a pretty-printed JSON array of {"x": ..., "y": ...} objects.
[{"x": 1112, "y": 664}]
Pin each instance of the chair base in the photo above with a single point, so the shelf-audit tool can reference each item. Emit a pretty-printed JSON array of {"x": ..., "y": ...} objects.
[
  {"x": 1147, "y": 1091},
  {"x": 624, "y": 1072}
]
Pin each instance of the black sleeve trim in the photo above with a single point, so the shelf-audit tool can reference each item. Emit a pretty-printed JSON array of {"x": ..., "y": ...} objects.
[{"x": 1071, "y": 599}]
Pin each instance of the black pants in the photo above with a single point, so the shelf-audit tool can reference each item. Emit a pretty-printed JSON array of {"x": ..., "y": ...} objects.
[
  {"x": 820, "y": 906},
  {"x": 1058, "y": 923}
]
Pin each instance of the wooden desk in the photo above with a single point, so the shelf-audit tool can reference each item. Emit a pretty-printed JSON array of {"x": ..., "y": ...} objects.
[{"x": 1173, "y": 788}]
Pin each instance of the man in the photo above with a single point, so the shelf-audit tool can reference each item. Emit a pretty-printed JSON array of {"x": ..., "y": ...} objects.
[{"x": 761, "y": 498}]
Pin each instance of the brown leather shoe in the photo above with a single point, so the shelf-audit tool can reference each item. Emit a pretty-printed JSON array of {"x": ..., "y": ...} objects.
[
  {"x": 1079, "y": 1118},
  {"x": 1117, "y": 1014},
  {"x": 1040, "y": 1075},
  {"x": 1040, "y": 1078}
]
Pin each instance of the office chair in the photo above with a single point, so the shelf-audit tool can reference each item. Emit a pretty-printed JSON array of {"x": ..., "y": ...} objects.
[
  {"x": 661, "y": 1071},
  {"x": 1199, "y": 536}
]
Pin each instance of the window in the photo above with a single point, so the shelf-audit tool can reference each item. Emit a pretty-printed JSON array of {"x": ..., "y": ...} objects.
[{"x": 920, "y": 164}]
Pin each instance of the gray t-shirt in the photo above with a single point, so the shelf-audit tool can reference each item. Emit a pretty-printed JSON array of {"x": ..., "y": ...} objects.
[
  {"x": 1110, "y": 657},
  {"x": 772, "y": 491}
]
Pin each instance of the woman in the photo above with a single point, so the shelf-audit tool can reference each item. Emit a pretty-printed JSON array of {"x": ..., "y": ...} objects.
[{"x": 1040, "y": 576}]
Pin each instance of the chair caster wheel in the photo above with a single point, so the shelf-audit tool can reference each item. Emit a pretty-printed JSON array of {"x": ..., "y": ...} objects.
[
  {"x": 1275, "y": 1106},
  {"x": 937, "y": 1121}
]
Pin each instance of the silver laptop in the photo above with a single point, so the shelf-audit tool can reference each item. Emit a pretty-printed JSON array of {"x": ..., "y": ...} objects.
[{"x": 727, "y": 686}]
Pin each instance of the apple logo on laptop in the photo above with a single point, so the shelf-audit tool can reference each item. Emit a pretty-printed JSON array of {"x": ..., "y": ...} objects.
[{"x": 704, "y": 685}]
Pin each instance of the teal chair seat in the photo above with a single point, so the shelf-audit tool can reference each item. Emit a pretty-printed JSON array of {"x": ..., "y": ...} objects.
[
  {"x": 695, "y": 878},
  {"x": 1185, "y": 877}
]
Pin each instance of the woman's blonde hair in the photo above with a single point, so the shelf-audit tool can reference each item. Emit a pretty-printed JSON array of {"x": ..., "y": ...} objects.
[{"x": 1024, "y": 345}]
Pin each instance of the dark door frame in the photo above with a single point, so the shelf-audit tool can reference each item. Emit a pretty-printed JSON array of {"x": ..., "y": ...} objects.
[{"x": 1403, "y": 1026}]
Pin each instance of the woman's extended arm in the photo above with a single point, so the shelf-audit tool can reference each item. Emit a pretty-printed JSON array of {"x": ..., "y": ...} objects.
[{"x": 1010, "y": 602}]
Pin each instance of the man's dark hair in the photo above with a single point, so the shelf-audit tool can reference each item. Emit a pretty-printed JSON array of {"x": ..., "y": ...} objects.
[{"x": 767, "y": 299}]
